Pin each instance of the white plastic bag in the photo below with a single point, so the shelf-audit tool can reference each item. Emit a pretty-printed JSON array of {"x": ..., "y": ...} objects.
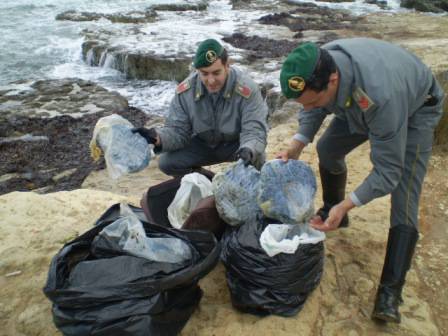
[
  {"x": 124, "y": 151},
  {"x": 193, "y": 188},
  {"x": 128, "y": 234},
  {"x": 286, "y": 238}
]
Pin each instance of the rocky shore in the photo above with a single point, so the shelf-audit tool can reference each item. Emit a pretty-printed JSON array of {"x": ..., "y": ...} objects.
[
  {"x": 46, "y": 125},
  {"x": 45, "y": 132}
]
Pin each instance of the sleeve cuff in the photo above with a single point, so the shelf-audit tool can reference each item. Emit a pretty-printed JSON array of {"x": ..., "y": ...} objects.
[
  {"x": 355, "y": 199},
  {"x": 301, "y": 138}
]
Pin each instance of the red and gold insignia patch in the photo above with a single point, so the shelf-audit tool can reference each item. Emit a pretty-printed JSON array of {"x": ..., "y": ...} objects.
[
  {"x": 182, "y": 87},
  {"x": 363, "y": 100},
  {"x": 244, "y": 91}
]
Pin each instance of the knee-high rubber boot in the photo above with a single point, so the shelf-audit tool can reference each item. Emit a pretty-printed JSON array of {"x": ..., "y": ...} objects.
[
  {"x": 400, "y": 249},
  {"x": 333, "y": 192}
]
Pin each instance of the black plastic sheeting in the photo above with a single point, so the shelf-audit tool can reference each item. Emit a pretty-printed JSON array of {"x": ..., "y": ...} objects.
[
  {"x": 100, "y": 292},
  {"x": 264, "y": 285}
]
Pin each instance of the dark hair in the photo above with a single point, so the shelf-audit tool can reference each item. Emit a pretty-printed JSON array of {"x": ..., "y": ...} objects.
[
  {"x": 321, "y": 75},
  {"x": 224, "y": 56}
]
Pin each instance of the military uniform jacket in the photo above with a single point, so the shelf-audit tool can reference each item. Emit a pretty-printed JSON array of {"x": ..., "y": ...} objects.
[
  {"x": 238, "y": 114},
  {"x": 382, "y": 89}
]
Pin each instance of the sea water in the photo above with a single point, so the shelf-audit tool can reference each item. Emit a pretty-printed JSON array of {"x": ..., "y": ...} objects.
[{"x": 34, "y": 45}]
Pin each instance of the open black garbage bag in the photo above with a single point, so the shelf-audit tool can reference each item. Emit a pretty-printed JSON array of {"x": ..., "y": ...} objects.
[
  {"x": 105, "y": 292},
  {"x": 264, "y": 285}
]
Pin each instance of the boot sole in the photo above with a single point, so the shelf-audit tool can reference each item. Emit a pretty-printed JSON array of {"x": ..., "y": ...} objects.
[{"x": 385, "y": 318}]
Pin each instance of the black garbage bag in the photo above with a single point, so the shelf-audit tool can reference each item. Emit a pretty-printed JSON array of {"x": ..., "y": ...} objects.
[
  {"x": 104, "y": 292},
  {"x": 264, "y": 285}
]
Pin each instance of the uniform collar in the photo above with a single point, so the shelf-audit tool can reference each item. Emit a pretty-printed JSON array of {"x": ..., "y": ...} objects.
[
  {"x": 345, "y": 87},
  {"x": 226, "y": 91}
]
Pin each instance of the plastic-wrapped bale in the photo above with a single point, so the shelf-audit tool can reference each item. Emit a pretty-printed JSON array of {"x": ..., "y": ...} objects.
[
  {"x": 236, "y": 192},
  {"x": 263, "y": 285},
  {"x": 124, "y": 151},
  {"x": 97, "y": 289},
  {"x": 287, "y": 191}
]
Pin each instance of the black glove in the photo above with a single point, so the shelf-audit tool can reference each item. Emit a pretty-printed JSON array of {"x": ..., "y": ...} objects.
[
  {"x": 246, "y": 155},
  {"x": 150, "y": 134}
]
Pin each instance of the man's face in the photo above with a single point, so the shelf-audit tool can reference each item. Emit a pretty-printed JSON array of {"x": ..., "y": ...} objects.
[
  {"x": 214, "y": 76},
  {"x": 311, "y": 99}
]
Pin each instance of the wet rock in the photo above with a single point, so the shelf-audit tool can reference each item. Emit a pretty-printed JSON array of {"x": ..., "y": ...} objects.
[
  {"x": 239, "y": 4},
  {"x": 130, "y": 17},
  {"x": 380, "y": 3},
  {"x": 261, "y": 47},
  {"x": 252, "y": 4},
  {"x": 336, "y": 1},
  {"x": 45, "y": 134},
  {"x": 311, "y": 17},
  {"x": 287, "y": 113},
  {"x": 274, "y": 99},
  {"x": 437, "y": 6},
  {"x": 199, "y": 6},
  {"x": 49, "y": 98},
  {"x": 136, "y": 64}
]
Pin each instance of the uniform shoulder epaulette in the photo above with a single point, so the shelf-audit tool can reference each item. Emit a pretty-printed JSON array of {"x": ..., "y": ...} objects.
[
  {"x": 361, "y": 98},
  {"x": 182, "y": 87},
  {"x": 243, "y": 90}
]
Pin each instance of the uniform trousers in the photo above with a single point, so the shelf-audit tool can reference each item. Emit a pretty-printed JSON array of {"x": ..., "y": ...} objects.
[{"x": 337, "y": 142}]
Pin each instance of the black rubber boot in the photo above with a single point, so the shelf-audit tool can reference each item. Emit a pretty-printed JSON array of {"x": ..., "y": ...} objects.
[
  {"x": 333, "y": 192},
  {"x": 400, "y": 249}
]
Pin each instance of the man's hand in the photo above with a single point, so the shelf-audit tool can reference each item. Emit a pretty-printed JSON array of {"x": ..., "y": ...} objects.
[
  {"x": 334, "y": 217},
  {"x": 293, "y": 151},
  {"x": 150, "y": 134},
  {"x": 246, "y": 155}
]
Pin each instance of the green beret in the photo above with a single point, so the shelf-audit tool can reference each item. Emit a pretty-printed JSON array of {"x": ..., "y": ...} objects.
[
  {"x": 208, "y": 52},
  {"x": 298, "y": 68}
]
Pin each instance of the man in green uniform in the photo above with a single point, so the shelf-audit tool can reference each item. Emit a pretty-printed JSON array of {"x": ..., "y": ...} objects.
[
  {"x": 377, "y": 92},
  {"x": 217, "y": 115}
]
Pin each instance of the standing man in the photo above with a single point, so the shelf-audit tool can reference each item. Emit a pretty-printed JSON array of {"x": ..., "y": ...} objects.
[
  {"x": 381, "y": 93},
  {"x": 217, "y": 115}
]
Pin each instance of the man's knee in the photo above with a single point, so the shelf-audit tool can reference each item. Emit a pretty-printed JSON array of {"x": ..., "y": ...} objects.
[
  {"x": 327, "y": 158},
  {"x": 321, "y": 149},
  {"x": 167, "y": 165}
]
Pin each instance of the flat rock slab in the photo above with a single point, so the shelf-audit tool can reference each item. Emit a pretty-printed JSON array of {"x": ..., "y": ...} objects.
[
  {"x": 130, "y": 17},
  {"x": 50, "y": 98}
]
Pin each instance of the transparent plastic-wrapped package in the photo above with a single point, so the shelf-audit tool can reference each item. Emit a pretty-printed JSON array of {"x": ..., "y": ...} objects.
[
  {"x": 287, "y": 191},
  {"x": 128, "y": 235},
  {"x": 124, "y": 151},
  {"x": 236, "y": 193}
]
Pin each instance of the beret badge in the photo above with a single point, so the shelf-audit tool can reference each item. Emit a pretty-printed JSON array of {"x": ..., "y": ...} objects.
[
  {"x": 296, "y": 84},
  {"x": 211, "y": 56}
]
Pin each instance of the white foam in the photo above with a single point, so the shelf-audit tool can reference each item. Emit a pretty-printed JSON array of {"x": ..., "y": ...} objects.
[{"x": 36, "y": 46}]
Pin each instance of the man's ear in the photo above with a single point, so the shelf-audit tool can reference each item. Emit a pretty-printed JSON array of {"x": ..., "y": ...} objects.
[
  {"x": 227, "y": 65},
  {"x": 334, "y": 78}
]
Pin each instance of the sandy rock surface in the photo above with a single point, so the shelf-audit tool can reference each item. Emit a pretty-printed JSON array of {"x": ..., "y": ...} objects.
[{"x": 35, "y": 226}]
